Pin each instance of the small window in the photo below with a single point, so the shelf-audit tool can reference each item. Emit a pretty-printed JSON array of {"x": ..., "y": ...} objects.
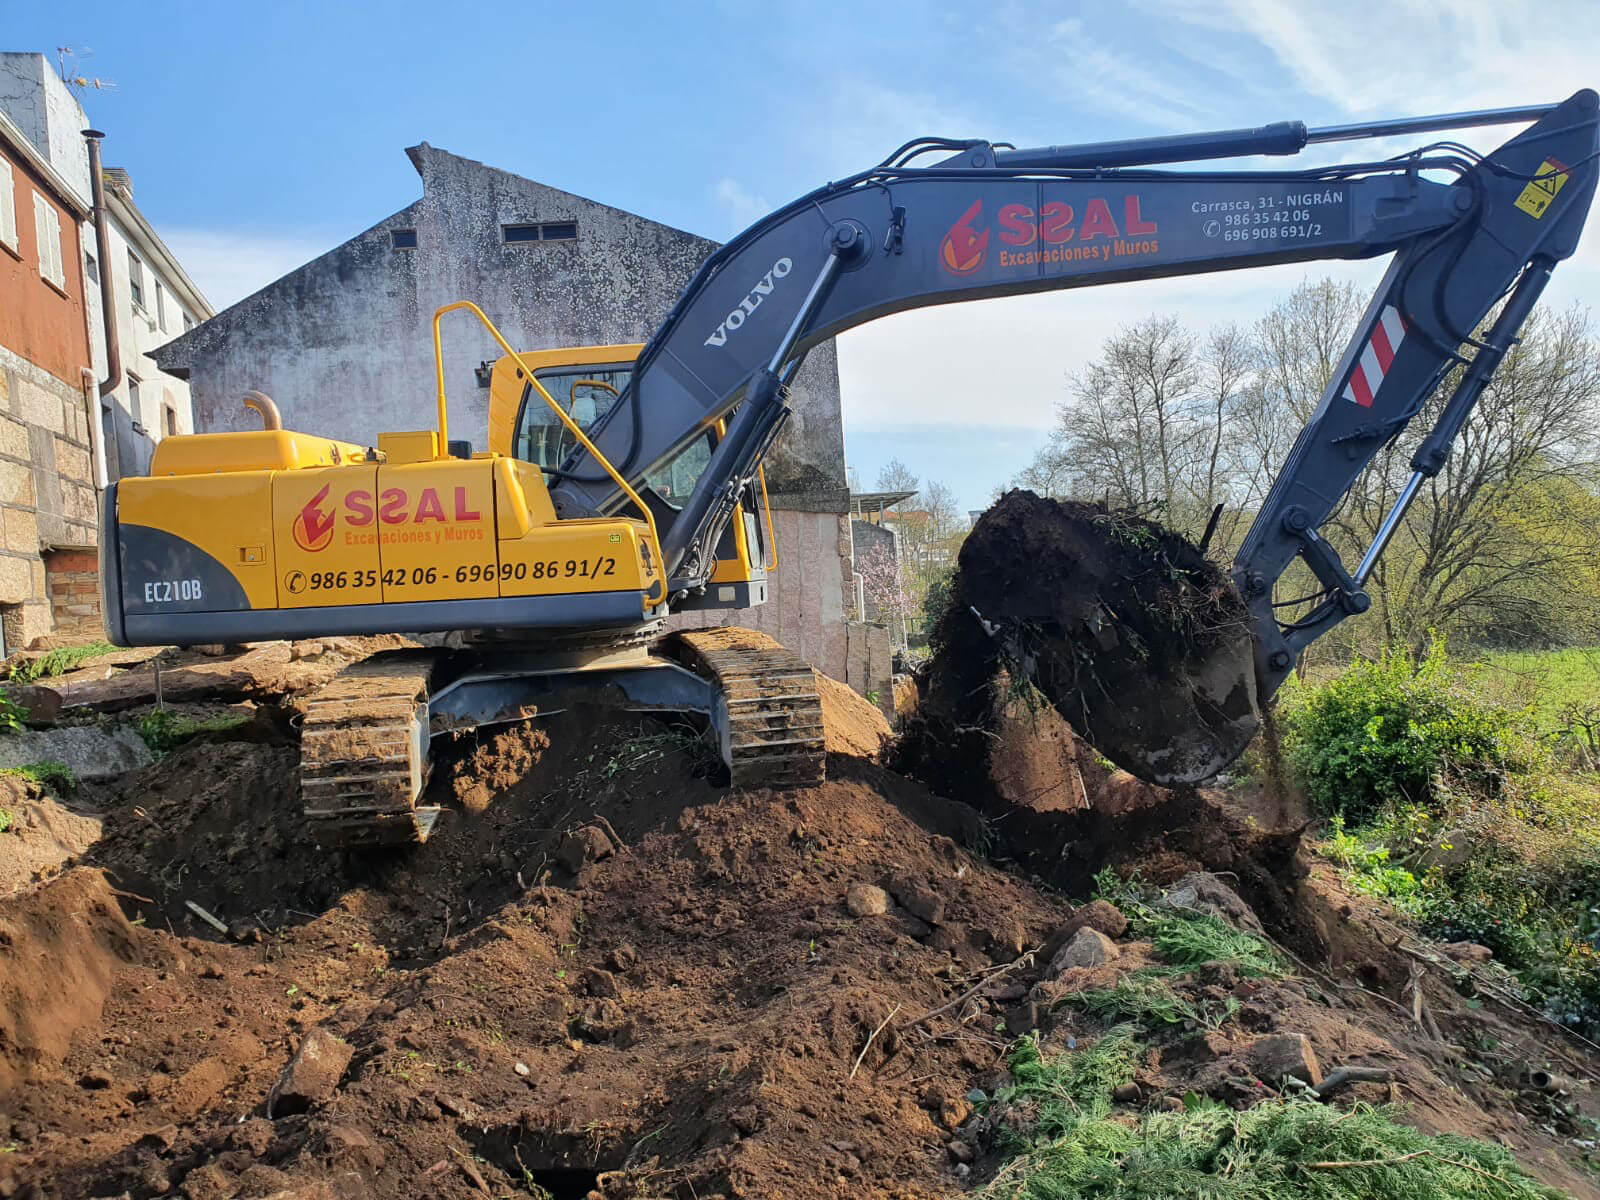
[
  {"x": 133, "y": 397},
  {"x": 161, "y": 306},
  {"x": 188, "y": 322},
  {"x": 549, "y": 231},
  {"x": 8, "y": 207},
  {"x": 90, "y": 267},
  {"x": 135, "y": 279},
  {"x": 170, "y": 418},
  {"x": 403, "y": 239}
]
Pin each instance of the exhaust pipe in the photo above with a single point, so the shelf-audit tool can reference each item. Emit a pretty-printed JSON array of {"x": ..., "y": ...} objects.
[{"x": 262, "y": 403}]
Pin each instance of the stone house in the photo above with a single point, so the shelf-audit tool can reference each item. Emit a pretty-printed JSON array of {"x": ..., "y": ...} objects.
[
  {"x": 52, "y": 341},
  {"x": 47, "y": 389},
  {"x": 344, "y": 345}
]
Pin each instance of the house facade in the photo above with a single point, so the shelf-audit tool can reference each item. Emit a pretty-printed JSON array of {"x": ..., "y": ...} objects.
[
  {"x": 47, "y": 389},
  {"x": 53, "y": 355},
  {"x": 344, "y": 345}
]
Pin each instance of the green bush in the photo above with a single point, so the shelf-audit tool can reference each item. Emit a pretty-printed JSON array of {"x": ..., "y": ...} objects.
[
  {"x": 1385, "y": 732},
  {"x": 52, "y": 774}
]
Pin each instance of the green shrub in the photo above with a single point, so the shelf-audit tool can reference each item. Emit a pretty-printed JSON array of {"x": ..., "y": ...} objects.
[
  {"x": 5, "y": 821},
  {"x": 1184, "y": 938},
  {"x": 1384, "y": 732}
]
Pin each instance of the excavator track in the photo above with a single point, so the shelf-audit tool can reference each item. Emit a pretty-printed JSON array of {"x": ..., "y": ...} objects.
[
  {"x": 774, "y": 736},
  {"x": 364, "y": 753},
  {"x": 364, "y": 736}
]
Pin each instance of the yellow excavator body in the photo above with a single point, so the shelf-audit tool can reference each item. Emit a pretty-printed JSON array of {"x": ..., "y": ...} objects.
[{"x": 274, "y": 533}]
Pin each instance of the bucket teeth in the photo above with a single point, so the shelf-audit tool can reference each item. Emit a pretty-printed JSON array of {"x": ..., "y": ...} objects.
[
  {"x": 364, "y": 753},
  {"x": 774, "y": 736}
]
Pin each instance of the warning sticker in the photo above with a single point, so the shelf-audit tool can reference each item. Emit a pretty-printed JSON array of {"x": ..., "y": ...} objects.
[{"x": 1549, "y": 179}]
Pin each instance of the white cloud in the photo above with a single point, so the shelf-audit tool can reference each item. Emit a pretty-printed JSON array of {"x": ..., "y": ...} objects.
[
  {"x": 228, "y": 266},
  {"x": 740, "y": 206}
]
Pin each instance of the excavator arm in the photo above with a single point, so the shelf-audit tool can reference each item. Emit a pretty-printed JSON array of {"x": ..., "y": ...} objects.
[{"x": 1466, "y": 233}]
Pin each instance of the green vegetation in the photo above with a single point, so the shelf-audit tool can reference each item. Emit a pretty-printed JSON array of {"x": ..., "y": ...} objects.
[
  {"x": 1462, "y": 812},
  {"x": 1072, "y": 1145},
  {"x": 13, "y": 716},
  {"x": 59, "y": 662},
  {"x": 5, "y": 821},
  {"x": 1148, "y": 999},
  {"x": 55, "y": 775},
  {"x": 1184, "y": 938},
  {"x": 164, "y": 731}
]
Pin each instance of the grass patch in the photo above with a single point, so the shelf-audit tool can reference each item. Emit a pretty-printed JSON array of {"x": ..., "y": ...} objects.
[
  {"x": 59, "y": 661},
  {"x": 164, "y": 731},
  {"x": 52, "y": 774},
  {"x": 1070, "y": 1144},
  {"x": 5, "y": 821},
  {"x": 1148, "y": 998}
]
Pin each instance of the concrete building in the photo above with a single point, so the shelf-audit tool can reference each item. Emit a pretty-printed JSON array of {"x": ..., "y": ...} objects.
[
  {"x": 52, "y": 341},
  {"x": 155, "y": 301},
  {"x": 344, "y": 345}
]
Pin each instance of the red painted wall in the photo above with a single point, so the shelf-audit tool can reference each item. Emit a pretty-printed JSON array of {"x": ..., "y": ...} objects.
[{"x": 38, "y": 322}]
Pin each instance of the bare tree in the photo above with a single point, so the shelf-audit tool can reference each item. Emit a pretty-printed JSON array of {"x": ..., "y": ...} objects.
[{"x": 895, "y": 476}]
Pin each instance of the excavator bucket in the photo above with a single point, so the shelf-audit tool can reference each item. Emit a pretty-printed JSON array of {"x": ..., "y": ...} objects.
[{"x": 1135, "y": 638}]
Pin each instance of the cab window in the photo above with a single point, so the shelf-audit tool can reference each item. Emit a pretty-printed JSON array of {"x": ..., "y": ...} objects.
[{"x": 584, "y": 393}]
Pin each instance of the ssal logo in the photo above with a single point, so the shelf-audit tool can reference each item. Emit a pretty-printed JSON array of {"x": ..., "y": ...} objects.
[
  {"x": 313, "y": 528},
  {"x": 963, "y": 249}
]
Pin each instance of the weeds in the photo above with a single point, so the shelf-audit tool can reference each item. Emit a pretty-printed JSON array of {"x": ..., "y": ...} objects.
[
  {"x": 1148, "y": 998},
  {"x": 55, "y": 775},
  {"x": 58, "y": 661},
  {"x": 5, "y": 821},
  {"x": 1189, "y": 939},
  {"x": 13, "y": 716},
  {"x": 1074, "y": 1147},
  {"x": 164, "y": 731}
]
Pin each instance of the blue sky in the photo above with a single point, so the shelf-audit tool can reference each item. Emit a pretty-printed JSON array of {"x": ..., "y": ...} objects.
[{"x": 259, "y": 135}]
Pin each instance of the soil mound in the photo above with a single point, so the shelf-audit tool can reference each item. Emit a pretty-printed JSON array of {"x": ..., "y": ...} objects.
[
  {"x": 60, "y": 945},
  {"x": 615, "y": 976},
  {"x": 1139, "y": 642}
]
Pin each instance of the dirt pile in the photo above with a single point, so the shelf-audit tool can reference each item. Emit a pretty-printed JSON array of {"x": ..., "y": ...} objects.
[
  {"x": 617, "y": 976},
  {"x": 1138, "y": 641}
]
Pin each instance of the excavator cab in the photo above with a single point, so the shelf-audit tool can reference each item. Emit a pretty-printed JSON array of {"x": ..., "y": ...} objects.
[{"x": 586, "y": 382}]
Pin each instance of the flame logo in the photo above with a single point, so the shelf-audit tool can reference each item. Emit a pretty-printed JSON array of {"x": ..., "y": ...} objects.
[
  {"x": 313, "y": 528},
  {"x": 963, "y": 250}
]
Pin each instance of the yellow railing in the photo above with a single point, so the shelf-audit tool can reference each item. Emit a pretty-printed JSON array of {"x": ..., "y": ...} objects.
[{"x": 572, "y": 426}]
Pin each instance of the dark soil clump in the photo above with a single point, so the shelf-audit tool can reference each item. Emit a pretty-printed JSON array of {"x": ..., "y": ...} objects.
[{"x": 1139, "y": 641}]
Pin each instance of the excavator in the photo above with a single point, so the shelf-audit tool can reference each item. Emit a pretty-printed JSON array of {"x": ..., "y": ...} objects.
[{"x": 623, "y": 483}]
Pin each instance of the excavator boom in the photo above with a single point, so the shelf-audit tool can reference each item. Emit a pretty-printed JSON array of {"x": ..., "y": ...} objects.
[{"x": 1464, "y": 230}]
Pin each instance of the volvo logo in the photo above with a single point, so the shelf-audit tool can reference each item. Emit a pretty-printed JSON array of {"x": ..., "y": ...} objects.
[{"x": 751, "y": 302}]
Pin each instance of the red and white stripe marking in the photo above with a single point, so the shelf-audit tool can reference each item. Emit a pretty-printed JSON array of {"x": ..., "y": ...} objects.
[{"x": 1376, "y": 357}]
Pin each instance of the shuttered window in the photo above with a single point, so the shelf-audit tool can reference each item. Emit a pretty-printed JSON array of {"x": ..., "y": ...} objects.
[
  {"x": 47, "y": 231},
  {"x": 8, "y": 206}
]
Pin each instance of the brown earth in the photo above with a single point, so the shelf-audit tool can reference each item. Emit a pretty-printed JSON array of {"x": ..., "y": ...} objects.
[
  {"x": 1139, "y": 641},
  {"x": 618, "y": 974}
]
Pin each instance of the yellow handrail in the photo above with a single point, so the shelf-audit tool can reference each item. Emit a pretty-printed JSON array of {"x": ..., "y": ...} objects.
[{"x": 572, "y": 426}]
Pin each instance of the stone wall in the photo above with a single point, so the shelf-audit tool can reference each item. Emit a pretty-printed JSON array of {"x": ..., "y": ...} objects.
[{"x": 47, "y": 496}]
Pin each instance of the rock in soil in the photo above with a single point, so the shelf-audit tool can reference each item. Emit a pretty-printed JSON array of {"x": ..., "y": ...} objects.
[
  {"x": 312, "y": 1075},
  {"x": 1201, "y": 891},
  {"x": 1138, "y": 641},
  {"x": 1283, "y": 1056},
  {"x": 864, "y": 900},
  {"x": 1087, "y": 948}
]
